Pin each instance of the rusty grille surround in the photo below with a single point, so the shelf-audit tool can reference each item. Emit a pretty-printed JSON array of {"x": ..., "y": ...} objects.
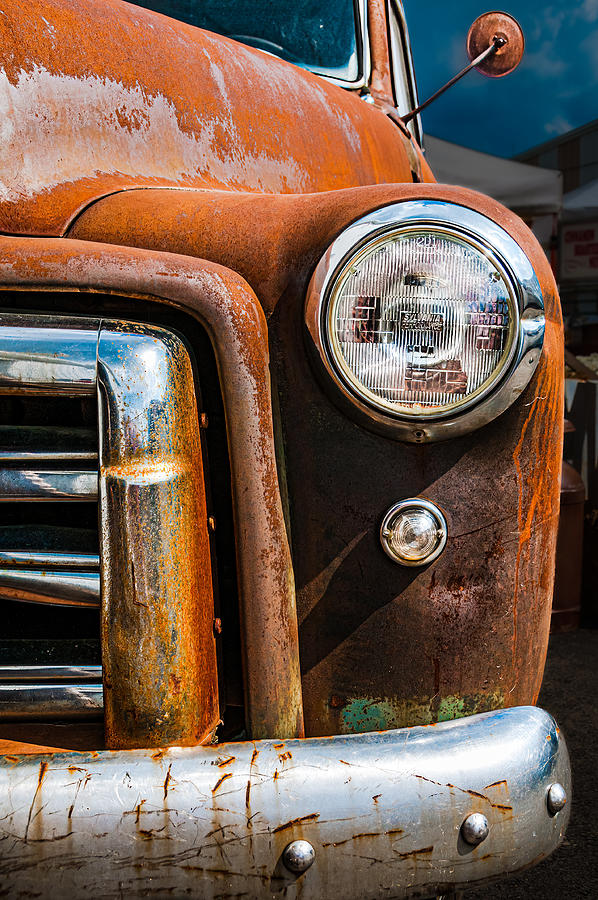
[{"x": 155, "y": 559}]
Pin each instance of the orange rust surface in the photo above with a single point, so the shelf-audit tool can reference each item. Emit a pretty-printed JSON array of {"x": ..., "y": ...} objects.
[
  {"x": 223, "y": 302},
  {"x": 164, "y": 692},
  {"x": 380, "y": 78},
  {"x": 103, "y": 95},
  {"x": 273, "y": 241}
]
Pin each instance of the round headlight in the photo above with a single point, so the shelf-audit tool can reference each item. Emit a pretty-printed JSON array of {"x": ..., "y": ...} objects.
[{"x": 423, "y": 311}]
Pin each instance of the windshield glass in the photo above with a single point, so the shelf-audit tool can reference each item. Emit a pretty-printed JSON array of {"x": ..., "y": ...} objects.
[{"x": 319, "y": 35}]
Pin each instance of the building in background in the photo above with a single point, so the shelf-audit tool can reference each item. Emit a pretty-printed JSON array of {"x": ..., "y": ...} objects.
[
  {"x": 576, "y": 155},
  {"x": 533, "y": 193}
]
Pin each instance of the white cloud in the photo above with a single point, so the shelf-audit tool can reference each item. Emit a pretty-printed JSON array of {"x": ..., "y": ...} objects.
[
  {"x": 545, "y": 61},
  {"x": 548, "y": 24},
  {"x": 589, "y": 47},
  {"x": 557, "y": 125},
  {"x": 588, "y": 11}
]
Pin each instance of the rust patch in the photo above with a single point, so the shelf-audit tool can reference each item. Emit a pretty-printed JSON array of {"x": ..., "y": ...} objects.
[
  {"x": 424, "y": 851},
  {"x": 148, "y": 833},
  {"x": 224, "y": 762},
  {"x": 167, "y": 781},
  {"x": 174, "y": 682},
  {"x": 250, "y": 141},
  {"x": 337, "y": 702},
  {"x": 221, "y": 781},
  {"x": 368, "y": 834},
  {"x": 301, "y": 820},
  {"x": 159, "y": 755},
  {"x": 43, "y": 768}
]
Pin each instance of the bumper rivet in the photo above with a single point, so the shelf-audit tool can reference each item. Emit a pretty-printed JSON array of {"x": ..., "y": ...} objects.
[
  {"x": 556, "y": 798},
  {"x": 298, "y": 856},
  {"x": 475, "y": 829}
]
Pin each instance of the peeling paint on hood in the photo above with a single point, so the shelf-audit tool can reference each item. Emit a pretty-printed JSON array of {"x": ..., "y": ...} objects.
[{"x": 100, "y": 96}]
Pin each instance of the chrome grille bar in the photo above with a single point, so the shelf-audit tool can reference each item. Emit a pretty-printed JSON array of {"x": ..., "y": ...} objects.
[
  {"x": 41, "y": 700},
  {"x": 51, "y": 587},
  {"x": 46, "y": 674},
  {"x": 36, "y": 443},
  {"x": 47, "y": 356},
  {"x": 48, "y": 485},
  {"x": 155, "y": 573},
  {"x": 42, "y": 359},
  {"x": 49, "y": 560}
]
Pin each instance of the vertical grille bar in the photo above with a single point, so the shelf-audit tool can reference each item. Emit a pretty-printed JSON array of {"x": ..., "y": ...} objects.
[{"x": 158, "y": 645}]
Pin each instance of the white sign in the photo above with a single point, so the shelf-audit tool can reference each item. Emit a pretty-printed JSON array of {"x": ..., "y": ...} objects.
[{"x": 579, "y": 251}]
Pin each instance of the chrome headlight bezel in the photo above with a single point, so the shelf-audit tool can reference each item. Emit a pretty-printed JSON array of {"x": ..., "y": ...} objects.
[{"x": 484, "y": 235}]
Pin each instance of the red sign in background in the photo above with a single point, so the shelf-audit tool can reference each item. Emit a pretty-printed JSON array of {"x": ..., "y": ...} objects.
[{"x": 579, "y": 251}]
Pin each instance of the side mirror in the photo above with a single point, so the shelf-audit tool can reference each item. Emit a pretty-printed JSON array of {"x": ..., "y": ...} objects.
[
  {"x": 496, "y": 28},
  {"x": 495, "y": 45}
]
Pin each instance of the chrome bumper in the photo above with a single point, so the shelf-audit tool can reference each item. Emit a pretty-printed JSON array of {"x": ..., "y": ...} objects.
[{"x": 383, "y": 812}]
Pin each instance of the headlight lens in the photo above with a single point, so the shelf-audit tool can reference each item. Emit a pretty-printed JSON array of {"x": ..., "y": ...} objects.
[
  {"x": 421, "y": 322},
  {"x": 426, "y": 318}
]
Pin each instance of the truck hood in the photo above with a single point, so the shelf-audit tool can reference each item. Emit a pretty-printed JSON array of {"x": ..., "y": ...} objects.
[{"x": 98, "y": 96}]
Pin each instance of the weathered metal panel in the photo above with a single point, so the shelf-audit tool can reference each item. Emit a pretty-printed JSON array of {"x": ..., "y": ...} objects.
[{"x": 383, "y": 813}]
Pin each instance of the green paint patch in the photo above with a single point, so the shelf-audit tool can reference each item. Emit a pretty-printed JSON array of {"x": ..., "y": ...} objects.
[
  {"x": 382, "y": 713},
  {"x": 455, "y": 706},
  {"x": 367, "y": 714}
]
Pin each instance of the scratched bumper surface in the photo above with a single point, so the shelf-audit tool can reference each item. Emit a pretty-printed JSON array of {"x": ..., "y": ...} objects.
[{"x": 383, "y": 812}]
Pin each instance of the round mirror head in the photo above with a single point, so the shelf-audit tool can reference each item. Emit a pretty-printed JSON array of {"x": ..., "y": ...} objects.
[{"x": 487, "y": 28}]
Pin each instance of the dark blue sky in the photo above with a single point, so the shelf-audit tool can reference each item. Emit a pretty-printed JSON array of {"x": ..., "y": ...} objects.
[{"x": 554, "y": 89}]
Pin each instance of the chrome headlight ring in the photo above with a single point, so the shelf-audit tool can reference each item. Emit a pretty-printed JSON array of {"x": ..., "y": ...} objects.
[{"x": 526, "y": 313}]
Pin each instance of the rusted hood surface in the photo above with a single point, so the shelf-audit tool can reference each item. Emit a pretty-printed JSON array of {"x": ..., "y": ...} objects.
[{"x": 100, "y": 95}]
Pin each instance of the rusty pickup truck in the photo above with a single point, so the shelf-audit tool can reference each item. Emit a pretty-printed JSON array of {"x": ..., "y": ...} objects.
[{"x": 280, "y": 446}]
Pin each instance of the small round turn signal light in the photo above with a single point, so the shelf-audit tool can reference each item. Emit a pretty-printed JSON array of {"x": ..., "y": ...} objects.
[{"x": 413, "y": 532}]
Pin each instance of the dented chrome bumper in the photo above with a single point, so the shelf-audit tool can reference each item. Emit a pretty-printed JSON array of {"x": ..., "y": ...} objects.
[{"x": 383, "y": 813}]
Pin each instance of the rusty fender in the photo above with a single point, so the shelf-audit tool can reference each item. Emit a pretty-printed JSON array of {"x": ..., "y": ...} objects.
[
  {"x": 228, "y": 309},
  {"x": 492, "y": 587},
  {"x": 383, "y": 813}
]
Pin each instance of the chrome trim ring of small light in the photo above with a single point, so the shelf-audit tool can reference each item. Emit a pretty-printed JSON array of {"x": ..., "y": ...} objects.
[
  {"x": 386, "y": 530},
  {"x": 487, "y": 237}
]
